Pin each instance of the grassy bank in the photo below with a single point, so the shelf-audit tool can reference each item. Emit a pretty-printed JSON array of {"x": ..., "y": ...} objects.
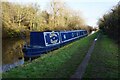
[
  {"x": 60, "y": 63},
  {"x": 104, "y": 60}
]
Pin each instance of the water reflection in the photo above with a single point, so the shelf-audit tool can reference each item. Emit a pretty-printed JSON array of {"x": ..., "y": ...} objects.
[
  {"x": 9, "y": 66},
  {"x": 12, "y": 54}
]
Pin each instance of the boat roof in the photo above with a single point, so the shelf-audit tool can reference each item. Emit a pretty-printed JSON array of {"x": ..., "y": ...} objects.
[{"x": 59, "y": 31}]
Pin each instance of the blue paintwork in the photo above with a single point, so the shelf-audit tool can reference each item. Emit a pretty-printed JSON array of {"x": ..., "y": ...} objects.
[
  {"x": 37, "y": 39},
  {"x": 41, "y": 42}
]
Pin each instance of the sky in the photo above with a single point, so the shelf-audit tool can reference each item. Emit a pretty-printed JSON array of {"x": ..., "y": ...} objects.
[{"x": 91, "y": 10}]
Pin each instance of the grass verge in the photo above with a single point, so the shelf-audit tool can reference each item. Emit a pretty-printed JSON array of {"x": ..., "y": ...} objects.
[
  {"x": 104, "y": 60},
  {"x": 60, "y": 63}
]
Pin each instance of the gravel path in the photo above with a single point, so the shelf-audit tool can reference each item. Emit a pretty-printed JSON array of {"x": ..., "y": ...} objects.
[{"x": 82, "y": 67}]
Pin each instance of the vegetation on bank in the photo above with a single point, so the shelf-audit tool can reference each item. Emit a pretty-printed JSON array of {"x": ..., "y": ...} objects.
[
  {"x": 110, "y": 23},
  {"x": 20, "y": 18},
  {"x": 60, "y": 63},
  {"x": 104, "y": 60}
]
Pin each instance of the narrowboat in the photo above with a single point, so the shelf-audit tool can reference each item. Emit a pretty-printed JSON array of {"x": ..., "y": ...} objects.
[{"x": 41, "y": 42}]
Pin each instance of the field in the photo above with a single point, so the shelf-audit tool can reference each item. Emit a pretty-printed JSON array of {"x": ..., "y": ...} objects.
[{"x": 104, "y": 60}]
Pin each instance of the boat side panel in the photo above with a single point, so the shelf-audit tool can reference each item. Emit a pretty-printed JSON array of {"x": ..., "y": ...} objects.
[
  {"x": 51, "y": 38},
  {"x": 37, "y": 39}
]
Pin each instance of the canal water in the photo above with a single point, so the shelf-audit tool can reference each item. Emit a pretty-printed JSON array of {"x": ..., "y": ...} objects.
[{"x": 12, "y": 54}]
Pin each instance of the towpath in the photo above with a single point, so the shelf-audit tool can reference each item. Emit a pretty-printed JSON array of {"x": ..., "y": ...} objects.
[{"x": 82, "y": 67}]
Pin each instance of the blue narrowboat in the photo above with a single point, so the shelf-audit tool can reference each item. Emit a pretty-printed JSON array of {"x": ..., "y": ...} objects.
[{"x": 41, "y": 42}]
